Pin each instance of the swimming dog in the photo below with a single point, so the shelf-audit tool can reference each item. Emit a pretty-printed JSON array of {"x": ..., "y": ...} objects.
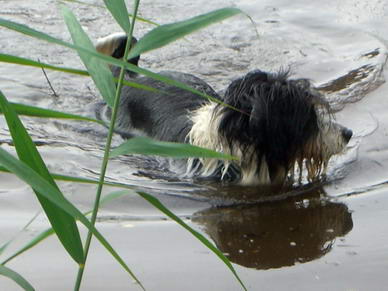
[{"x": 276, "y": 126}]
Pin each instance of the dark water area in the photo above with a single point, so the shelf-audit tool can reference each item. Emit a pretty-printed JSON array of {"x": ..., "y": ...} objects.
[{"x": 331, "y": 236}]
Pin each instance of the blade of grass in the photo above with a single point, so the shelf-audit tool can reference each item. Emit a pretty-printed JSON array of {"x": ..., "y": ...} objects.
[
  {"x": 27, "y": 110},
  {"x": 4, "y": 246},
  {"x": 36, "y": 34},
  {"x": 100, "y": 6},
  {"x": 40, "y": 35},
  {"x": 165, "y": 34},
  {"x": 119, "y": 11},
  {"x": 52, "y": 194},
  {"x": 98, "y": 70},
  {"x": 105, "y": 161},
  {"x": 147, "y": 146},
  {"x": 151, "y": 74},
  {"x": 157, "y": 204},
  {"x": 37, "y": 239},
  {"x": 48, "y": 232},
  {"x": 27, "y": 62},
  {"x": 16, "y": 277},
  {"x": 66, "y": 178},
  {"x": 63, "y": 224}
]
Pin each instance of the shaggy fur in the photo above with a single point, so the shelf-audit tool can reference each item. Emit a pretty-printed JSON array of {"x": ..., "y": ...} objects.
[{"x": 276, "y": 126}]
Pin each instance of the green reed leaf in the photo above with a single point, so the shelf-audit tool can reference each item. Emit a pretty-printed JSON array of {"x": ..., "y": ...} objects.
[
  {"x": 67, "y": 178},
  {"x": 32, "y": 32},
  {"x": 119, "y": 11},
  {"x": 28, "y": 110},
  {"x": 63, "y": 224},
  {"x": 48, "y": 232},
  {"x": 37, "y": 239},
  {"x": 27, "y": 62},
  {"x": 16, "y": 277},
  {"x": 52, "y": 194},
  {"x": 147, "y": 146},
  {"x": 4, "y": 246},
  {"x": 165, "y": 34},
  {"x": 21, "y": 28},
  {"x": 114, "y": 195},
  {"x": 157, "y": 204},
  {"x": 105, "y": 160},
  {"x": 98, "y": 70}
]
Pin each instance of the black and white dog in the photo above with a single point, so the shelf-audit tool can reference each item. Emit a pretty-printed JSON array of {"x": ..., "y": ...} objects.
[{"x": 281, "y": 127}]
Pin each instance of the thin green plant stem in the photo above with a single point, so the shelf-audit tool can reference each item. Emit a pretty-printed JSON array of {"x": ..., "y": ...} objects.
[{"x": 106, "y": 153}]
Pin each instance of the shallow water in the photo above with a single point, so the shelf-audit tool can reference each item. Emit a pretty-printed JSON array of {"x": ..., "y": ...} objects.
[{"x": 330, "y": 237}]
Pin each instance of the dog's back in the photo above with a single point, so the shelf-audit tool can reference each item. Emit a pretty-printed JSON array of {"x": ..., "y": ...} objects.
[{"x": 161, "y": 114}]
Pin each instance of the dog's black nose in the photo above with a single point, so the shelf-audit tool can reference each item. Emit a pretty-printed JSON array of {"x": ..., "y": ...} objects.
[{"x": 347, "y": 134}]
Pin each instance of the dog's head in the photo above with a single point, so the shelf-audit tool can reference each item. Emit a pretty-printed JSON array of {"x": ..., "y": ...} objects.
[{"x": 281, "y": 125}]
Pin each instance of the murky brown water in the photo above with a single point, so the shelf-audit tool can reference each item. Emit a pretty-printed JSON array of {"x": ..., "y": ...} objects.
[{"x": 327, "y": 238}]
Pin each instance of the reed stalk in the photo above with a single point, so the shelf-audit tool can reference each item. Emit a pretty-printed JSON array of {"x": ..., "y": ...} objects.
[{"x": 108, "y": 144}]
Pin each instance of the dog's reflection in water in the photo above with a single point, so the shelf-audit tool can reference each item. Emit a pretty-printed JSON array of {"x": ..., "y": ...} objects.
[{"x": 276, "y": 234}]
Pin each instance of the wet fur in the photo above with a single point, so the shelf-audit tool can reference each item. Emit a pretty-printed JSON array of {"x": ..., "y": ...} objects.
[{"x": 281, "y": 126}]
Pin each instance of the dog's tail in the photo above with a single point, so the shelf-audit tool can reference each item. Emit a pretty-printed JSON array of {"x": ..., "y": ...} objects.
[{"x": 114, "y": 45}]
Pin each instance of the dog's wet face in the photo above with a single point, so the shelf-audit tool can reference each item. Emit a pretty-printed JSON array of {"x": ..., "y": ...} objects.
[
  {"x": 334, "y": 138},
  {"x": 288, "y": 123}
]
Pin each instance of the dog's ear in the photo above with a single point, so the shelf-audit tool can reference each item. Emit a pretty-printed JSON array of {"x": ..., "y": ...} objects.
[
  {"x": 317, "y": 98},
  {"x": 239, "y": 92},
  {"x": 259, "y": 113}
]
